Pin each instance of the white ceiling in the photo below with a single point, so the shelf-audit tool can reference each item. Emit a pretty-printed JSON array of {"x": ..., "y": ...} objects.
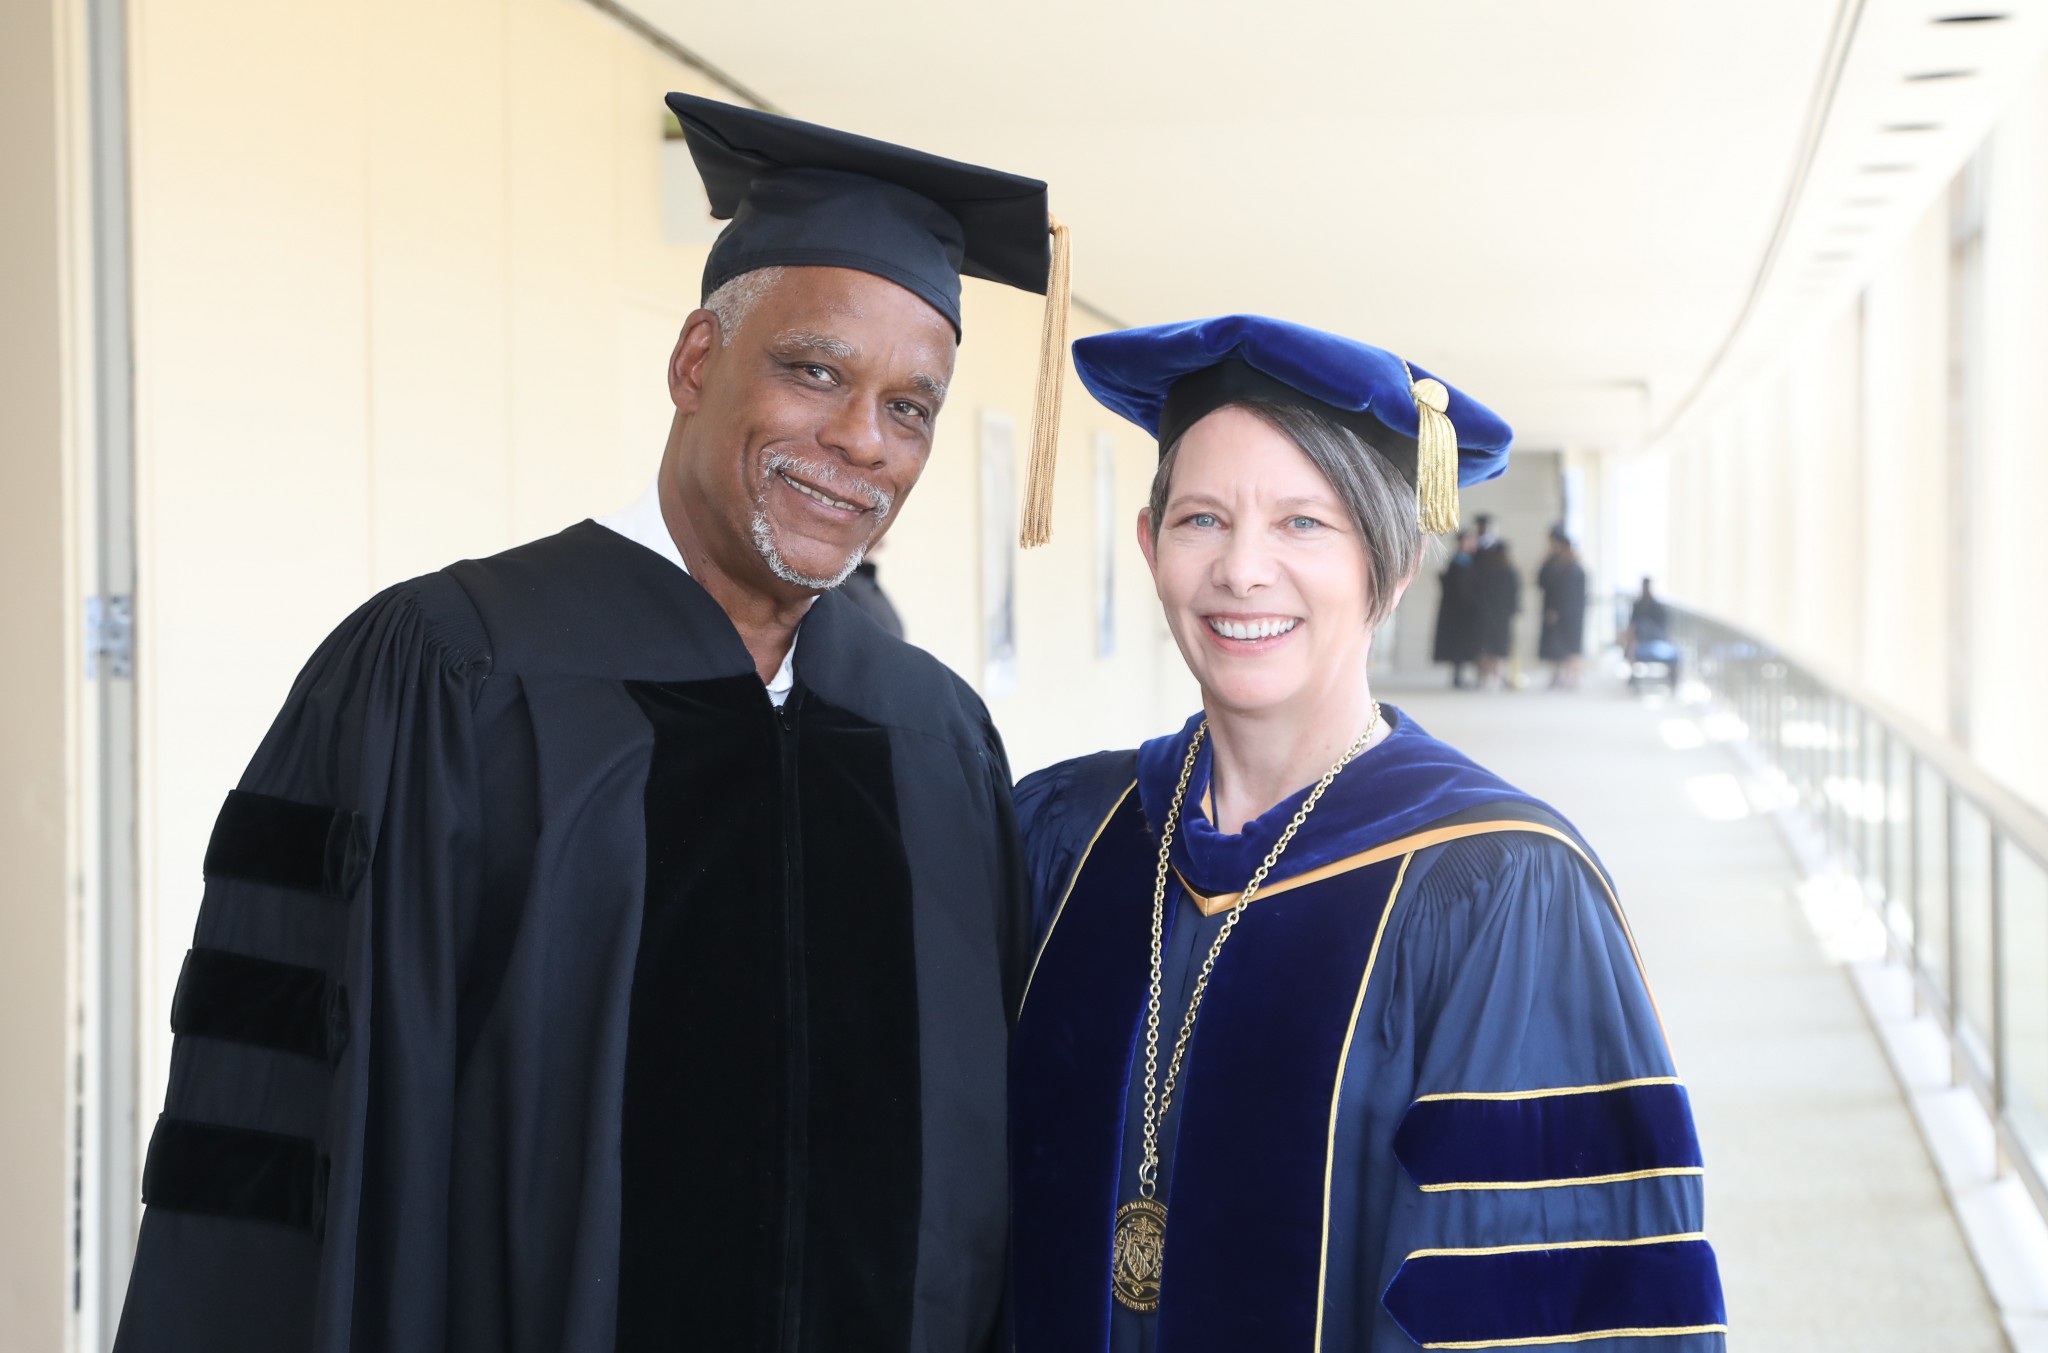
[{"x": 1561, "y": 207}]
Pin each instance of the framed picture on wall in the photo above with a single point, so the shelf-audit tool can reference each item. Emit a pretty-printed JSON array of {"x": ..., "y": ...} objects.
[
  {"x": 1105, "y": 545},
  {"x": 998, "y": 554}
]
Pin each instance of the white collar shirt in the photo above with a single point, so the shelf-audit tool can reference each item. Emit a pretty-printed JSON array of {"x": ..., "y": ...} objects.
[{"x": 643, "y": 524}]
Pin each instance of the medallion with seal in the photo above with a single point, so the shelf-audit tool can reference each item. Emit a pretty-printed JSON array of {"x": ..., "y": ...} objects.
[{"x": 1139, "y": 1254}]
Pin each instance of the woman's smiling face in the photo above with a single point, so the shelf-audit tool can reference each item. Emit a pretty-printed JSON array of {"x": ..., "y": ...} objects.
[{"x": 1260, "y": 569}]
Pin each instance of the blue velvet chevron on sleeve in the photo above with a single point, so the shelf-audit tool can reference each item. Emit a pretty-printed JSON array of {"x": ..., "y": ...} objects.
[{"x": 1548, "y": 1187}]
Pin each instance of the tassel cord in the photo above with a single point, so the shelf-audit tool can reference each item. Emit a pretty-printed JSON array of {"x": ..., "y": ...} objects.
[{"x": 1036, "y": 528}]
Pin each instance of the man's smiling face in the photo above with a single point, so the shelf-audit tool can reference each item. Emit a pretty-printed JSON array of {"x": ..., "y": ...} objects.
[{"x": 807, "y": 430}]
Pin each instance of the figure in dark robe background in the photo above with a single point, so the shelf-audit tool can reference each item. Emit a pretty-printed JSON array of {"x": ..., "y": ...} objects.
[
  {"x": 614, "y": 942},
  {"x": 1562, "y": 580},
  {"x": 1497, "y": 598},
  {"x": 1646, "y": 641},
  {"x": 1457, "y": 627},
  {"x": 863, "y": 587}
]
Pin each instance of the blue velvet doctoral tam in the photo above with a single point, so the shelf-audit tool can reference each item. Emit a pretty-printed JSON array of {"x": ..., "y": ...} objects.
[
  {"x": 1428, "y": 1102},
  {"x": 1134, "y": 372}
]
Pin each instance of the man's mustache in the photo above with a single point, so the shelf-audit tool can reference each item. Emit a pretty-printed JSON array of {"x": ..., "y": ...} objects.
[{"x": 834, "y": 478}]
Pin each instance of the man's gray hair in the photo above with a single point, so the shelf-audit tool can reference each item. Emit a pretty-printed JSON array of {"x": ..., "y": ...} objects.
[
  {"x": 1380, "y": 502},
  {"x": 736, "y": 299}
]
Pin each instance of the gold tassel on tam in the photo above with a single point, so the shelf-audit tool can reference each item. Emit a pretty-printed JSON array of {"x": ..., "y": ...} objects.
[
  {"x": 1052, "y": 376},
  {"x": 1436, "y": 456}
]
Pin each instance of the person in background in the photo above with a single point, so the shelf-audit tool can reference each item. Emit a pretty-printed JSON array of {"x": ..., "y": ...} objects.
[
  {"x": 1562, "y": 580},
  {"x": 1648, "y": 636},
  {"x": 1335, "y": 1040},
  {"x": 1497, "y": 598},
  {"x": 864, "y": 590},
  {"x": 1457, "y": 629},
  {"x": 1648, "y": 621},
  {"x": 1484, "y": 539}
]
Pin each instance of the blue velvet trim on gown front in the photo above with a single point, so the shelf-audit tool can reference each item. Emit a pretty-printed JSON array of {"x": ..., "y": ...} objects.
[
  {"x": 1409, "y": 781},
  {"x": 1254, "y": 1117}
]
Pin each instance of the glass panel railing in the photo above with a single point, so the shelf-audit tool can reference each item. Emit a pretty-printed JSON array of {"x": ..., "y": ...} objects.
[
  {"x": 2023, "y": 946},
  {"x": 1953, "y": 864},
  {"x": 1971, "y": 933},
  {"x": 1900, "y": 911},
  {"x": 1930, "y": 872}
]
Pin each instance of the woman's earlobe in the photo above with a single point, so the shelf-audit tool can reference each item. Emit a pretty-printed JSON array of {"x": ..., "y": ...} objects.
[{"x": 1147, "y": 543}]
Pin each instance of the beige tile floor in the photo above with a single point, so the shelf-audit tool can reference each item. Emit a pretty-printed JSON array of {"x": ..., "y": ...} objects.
[{"x": 1830, "y": 1222}]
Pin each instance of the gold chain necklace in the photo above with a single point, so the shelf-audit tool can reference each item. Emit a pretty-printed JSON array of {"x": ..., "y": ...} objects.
[{"x": 1139, "y": 1254}]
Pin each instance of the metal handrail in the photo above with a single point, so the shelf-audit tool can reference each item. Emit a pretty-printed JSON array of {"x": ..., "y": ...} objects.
[{"x": 1857, "y": 769}]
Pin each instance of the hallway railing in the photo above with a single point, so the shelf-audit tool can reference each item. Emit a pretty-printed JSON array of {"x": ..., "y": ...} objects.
[{"x": 1955, "y": 865}]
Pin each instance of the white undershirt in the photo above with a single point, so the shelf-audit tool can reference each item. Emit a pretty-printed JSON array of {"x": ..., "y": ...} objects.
[{"x": 643, "y": 524}]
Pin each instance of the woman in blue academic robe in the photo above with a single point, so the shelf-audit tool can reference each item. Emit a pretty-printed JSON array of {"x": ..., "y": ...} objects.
[{"x": 1334, "y": 1040}]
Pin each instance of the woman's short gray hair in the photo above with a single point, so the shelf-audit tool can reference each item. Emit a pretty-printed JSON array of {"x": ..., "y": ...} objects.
[{"x": 1380, "y": 502}]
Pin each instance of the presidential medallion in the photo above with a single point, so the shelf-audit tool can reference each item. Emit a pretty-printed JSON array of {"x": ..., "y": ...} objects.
[{"x": 1140, "y": 1253}]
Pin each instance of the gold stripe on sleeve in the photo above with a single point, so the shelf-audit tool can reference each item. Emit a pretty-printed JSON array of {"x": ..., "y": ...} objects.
[
  {"x": 1559, "y": 1245},
  {"x": 1549, "y": 1093},
  {"x": 1510, "y": 1186},
  {"x": 1666, "y": 1332}
]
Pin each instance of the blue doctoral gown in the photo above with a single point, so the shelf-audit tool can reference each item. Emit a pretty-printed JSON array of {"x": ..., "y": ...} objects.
[{"x": 1428, "y": 1101}]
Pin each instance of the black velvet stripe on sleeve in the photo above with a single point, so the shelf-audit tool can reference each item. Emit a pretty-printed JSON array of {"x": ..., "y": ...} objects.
[
  {"x": 259, "y": 838},
  {"x": 254, "y": 1000},
  {"x": 235, "y": 1172}
]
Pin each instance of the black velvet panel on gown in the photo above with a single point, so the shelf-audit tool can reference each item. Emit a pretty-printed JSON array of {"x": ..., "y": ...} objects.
[{"x": 771, "y": 1129}]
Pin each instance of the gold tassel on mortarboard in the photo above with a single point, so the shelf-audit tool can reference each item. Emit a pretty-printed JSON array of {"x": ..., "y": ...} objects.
[
  {"x": 1052, "y": 377},
  {"x": 1436, "y": 456}
]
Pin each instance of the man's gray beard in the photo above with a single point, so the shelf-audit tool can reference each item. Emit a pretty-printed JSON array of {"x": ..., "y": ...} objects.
[
  {"x": 764, "y": 545},
  {"x": 879, "y": 503}
]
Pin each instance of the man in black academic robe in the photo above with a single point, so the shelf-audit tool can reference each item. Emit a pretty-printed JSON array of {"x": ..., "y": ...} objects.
[{"x": 588, "y": 958}]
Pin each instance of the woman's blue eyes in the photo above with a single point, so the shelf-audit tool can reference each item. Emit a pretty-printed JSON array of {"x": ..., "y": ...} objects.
[{"x": 1208, "y": 519}]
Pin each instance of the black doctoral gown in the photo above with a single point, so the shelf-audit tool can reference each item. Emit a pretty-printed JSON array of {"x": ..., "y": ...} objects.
[{"x": 554, "y": 991}]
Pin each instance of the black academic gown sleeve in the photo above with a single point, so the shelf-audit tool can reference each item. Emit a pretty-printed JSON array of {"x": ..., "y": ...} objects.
[
  {"x": 311, "y": 1086},
  {"x": 554, "y": 990}
]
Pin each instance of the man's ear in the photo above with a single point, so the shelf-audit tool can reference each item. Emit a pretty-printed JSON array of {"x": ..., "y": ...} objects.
[
  {"x": 699, "y": 339},
  {"x": 1147, "y": 542}
]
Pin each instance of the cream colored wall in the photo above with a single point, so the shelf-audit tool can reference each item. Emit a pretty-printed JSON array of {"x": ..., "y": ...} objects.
[
  {"x": 40, "y": 819},
  {"x": 1905, "y": 476},
  {"x": 1813, "y": 508},
  {"x": 2007, "y": 554},
  {"x": 405, "y": 297}
]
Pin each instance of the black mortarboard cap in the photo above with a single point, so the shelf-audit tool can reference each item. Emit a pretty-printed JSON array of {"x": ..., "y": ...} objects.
[{"x": 802, "y": 195}]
